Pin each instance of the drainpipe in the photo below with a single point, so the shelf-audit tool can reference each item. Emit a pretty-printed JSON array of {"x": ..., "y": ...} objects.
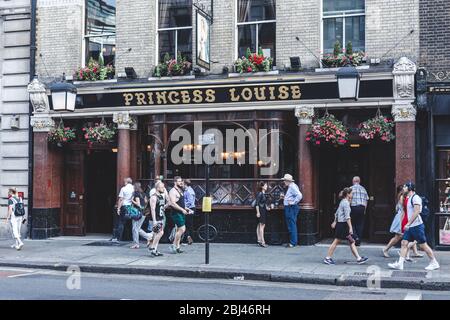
[{"x": 30, "y": 129}]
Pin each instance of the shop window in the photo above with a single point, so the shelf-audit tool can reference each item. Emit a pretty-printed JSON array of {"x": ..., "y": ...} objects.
[
  {"x": 443, "y": 182},
  {"x": 343, "y": 21},
  {"x": 100, "y": 37},
  {"x": 256, "y": 25},
  {"x": 175, "y": 28}
]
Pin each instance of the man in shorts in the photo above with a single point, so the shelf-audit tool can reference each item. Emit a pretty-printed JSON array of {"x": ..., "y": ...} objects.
[
  {"x": 176, "y": 195},
  {"x": 158, "y": 205},
  {"x": 414, "y": 230}
]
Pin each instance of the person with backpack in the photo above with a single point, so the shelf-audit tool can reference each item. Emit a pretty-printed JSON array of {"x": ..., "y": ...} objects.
[
  {"x": 16, "y": 213},
  {"x": 396, "y": 226},
  {"x": 414, "y": 229},
  {"x": 343, "y": 229}
]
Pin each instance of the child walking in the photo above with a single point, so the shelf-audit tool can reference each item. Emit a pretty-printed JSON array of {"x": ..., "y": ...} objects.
[{"x": 343, "y": 229}]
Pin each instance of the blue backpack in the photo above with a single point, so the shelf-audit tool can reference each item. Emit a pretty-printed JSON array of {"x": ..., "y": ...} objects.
[{"x": 425, "y": 207}]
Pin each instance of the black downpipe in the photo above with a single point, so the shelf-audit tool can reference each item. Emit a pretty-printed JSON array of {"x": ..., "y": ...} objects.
[
  {"x": 434, "y": 198},
  {"x": 30, "y": 129}
]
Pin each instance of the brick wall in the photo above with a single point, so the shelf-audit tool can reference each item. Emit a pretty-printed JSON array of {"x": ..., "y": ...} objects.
[
  {"x": 435, "y": 39},
  {"x": 59, "y": 37},
  {"x": 387, "y": 22}
]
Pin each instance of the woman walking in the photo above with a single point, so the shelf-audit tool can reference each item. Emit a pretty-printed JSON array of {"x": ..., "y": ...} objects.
[
  {"x": 15, "y": 217},
  {"x": 397, "y": 226},
  {"x": 139, "y": 201},
  {"x": 261, "y": 213},
  {"x": 343, "y": 229}
]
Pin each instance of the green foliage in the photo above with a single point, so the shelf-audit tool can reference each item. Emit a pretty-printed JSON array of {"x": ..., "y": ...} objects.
[
  {"x": 378, "y": 127},
  {"x": 341, "y": 59},
  {"x": 253, "y": 62},
  {"x": 61, "y": 135},
  {"x": 327, "y": 130},
  {"x": 170, "y": 67},
  {"x": 337, "y": 48},
  {"x": 94, "y": 71}
]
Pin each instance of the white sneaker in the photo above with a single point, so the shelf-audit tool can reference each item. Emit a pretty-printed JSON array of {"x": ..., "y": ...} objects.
[
  {"x": 432, "y": 266},
  {"x": 395, "y": 265},
  {"x": 173, "y": 249},
  {"x": 19, "y": 247},
  {"x": 13, "y": 246}
]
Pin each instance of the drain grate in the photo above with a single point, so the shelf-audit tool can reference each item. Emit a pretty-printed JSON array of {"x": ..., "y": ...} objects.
[
  {"x": 409, "y": 274},
  {"x": 104, "y": 244}
]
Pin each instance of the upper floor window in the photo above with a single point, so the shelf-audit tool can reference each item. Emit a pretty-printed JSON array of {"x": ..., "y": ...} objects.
[
  {"x": 256, "y": 24},
  {"x": 175, "y": 28},
  {"x": 343, "y": 21},
  {"x": 101, "y": 31}
]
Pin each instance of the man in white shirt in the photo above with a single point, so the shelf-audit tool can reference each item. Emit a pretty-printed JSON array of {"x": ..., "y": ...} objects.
[
  {"x": 124, "y": 199},
  {"x": 414, "y": 230}
]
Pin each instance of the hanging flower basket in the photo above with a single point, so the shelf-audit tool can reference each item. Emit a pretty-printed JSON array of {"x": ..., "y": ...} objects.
[
  {"x": 61, "y": 135},
  {"x": 378, "y": 127},
  {"x": 253, "y": 62},
  {"x": 327, "y": 130},
  {"x": 99, "y": 133}
]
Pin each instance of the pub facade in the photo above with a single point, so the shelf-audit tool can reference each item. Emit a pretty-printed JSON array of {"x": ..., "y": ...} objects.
[{"x": 267, "y": 67}]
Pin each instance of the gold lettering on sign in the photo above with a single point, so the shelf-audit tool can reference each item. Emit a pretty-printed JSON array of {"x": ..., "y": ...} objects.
[
  {"x": 185, "y": 96},
  {"x": 150, "y": 98},
  {"x": 296, "y": 94},
  {"x": 161, "y": 97},
  {"x": 197, "y": 96},
  {"x": 260, "y": 94},
  {"x": 233, "y": 96},
  {"x": 272, "y": 93},
  {"x": 284, "y": 93},
  {"x": 210, "y": 95},
  {"x": 128, "y": 98},
  {"x": 173, "y": 97},
  {"x": 140, "y": 99},
  {"x": 246, "y": 94}
]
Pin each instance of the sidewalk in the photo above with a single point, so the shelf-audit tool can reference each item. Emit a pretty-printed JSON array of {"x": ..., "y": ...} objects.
[{"x": 229, "y": 261}]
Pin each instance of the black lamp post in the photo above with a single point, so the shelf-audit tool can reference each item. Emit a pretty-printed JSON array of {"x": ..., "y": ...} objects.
[
  {"x": 348, "y": 79},
  {"x": 64, "y": 96}
]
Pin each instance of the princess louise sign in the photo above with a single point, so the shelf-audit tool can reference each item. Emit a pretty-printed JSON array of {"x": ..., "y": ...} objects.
[{"x": 224, "y": 94}]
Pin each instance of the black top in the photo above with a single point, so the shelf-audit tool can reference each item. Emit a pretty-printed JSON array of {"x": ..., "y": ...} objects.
[
  {"x": 180, "y": 201},
  {"x": 160, "y": 206},
  {"x": 141, "y": 197},
  {"x": 261, "y": 200}
]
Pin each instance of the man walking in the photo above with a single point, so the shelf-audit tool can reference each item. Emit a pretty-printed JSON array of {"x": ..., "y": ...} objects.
[
  {"x": 158, "y": 205},
  {"x": 125, "y": 201},
  {"x": 291, "y": 203},
  {"x": 414, "y": 230},
  {"x": 176, "y": 196},
  {"x": 358, "y": 209},
  {"x": 189, "y": 202}
]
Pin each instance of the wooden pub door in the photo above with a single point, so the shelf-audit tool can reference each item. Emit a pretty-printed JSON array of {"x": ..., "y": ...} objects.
[{"x": 73, "y": 218}]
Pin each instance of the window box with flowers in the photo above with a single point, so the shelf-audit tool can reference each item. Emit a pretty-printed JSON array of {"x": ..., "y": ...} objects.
[
  {"x": 379, "y": 127},
  {"x": 94, "y": 71},
  {"x": 255, "y": 64},
  {"x": 61, "y": 135},
  {"x": 341, "y": 58},
  {"x": 173, "y": 69},
  {"x": 101, "y": 133},
  {"x": 327, "y": 130}
]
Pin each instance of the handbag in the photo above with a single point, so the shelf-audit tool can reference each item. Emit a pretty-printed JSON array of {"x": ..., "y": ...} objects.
[
  {"x": 131, "y": 213},
  {"x": 444, "y": 233}
]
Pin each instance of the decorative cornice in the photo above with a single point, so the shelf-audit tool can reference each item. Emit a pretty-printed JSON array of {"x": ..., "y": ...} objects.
[
  {"x": 304, "y": 114},
  {"x": 404, "y": 66},
  {"x": 440, "y": 75},
  {"x": 404, "y": 112},
  {"x": 123, "y": 120},
  {"x": 38, "y": 96},
  {"x": 42, "y": 123}
]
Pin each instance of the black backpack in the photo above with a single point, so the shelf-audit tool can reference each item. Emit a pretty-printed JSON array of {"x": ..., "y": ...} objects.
[
  {"x": 19, "y": 209},
  {"x": 425, "y": 207}
]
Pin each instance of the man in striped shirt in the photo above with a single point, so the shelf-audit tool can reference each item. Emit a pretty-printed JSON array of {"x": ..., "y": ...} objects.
[{"x": 358, "y": 206}]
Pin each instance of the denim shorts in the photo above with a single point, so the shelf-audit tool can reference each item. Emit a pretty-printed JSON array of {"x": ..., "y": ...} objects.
[{"x": 416, "y": 233}]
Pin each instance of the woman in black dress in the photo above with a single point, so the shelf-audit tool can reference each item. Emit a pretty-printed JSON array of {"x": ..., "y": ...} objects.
[{"x": 262, "y": 207}]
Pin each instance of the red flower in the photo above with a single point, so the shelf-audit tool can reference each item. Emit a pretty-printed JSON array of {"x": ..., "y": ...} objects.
[
  {"x": 249, "y": 69},
  {"x": 318, "y": 142}
]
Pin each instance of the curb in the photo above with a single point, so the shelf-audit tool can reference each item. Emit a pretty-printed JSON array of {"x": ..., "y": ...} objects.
[{"x": 269, "y": 276}]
